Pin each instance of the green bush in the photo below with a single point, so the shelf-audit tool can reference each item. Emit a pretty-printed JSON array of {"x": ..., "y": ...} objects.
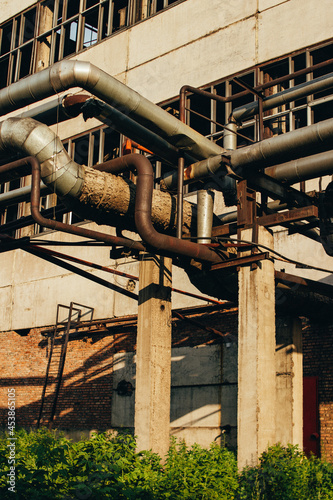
[
  {"x": 285, "y": 473},
  {"x": 49, "y": 466}
]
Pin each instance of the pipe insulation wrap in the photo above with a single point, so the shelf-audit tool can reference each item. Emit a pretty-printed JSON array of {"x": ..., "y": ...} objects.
[
  {"x": 68, "y": 74},
  {"x": 30, "y": 137}
]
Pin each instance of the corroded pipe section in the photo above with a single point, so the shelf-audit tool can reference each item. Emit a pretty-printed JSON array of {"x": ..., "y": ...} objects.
[{"x": 143, "y": 205}]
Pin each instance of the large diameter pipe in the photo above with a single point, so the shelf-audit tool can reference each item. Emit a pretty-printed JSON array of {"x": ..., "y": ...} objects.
[
  {"x": 32, "y": 138},
  {"x": 303, "y": 169},
  {"x": 143, "y": 206},
  {"x": 283, "y": 97},
  {"x": 269, "y": 152},
  {"x": 68, "y": 74},
  {"x": 112, "y": 117}
]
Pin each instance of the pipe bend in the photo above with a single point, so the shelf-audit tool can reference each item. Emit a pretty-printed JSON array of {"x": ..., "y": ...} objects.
[{"x": 143, "y": 205}]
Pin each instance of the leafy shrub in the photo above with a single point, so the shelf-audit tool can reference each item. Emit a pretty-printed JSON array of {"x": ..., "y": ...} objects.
[
  {"x": 285, "y": 473},
  {"x": 107, "y": 466}
]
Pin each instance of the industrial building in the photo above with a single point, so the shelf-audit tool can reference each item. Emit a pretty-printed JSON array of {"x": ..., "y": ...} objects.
[{"x": 120, "y": 310}]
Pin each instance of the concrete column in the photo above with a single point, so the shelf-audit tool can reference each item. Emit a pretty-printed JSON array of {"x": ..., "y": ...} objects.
[
  {"x": 256, "y": 356},
  {"x": 289, "y": 381},
  {"x": 153, "y": 356}
]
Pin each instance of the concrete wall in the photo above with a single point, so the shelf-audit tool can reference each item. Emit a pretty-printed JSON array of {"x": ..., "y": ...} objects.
[{"x": 203, "y": 392}]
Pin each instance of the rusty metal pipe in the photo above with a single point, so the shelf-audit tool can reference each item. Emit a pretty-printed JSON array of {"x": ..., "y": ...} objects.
[
  {"x": 67, "y": 228},
  {"x": 33, "y": 163},
  {"x": 143, "y": 203}
]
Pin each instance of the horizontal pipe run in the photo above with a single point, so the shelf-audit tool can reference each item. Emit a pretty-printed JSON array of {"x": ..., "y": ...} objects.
[
  {"x": 60, "y": 226},
  {"x": 67, "y": 74},
  {"x": 268, "y": 152},
  {"x": 303, "y": 169},
  {"x": 300, "y": 142},
  {"x": 110, "y": 116},
  {"x": 143, "y": 202},
  {"x": 283, "y": 97},
  {"x": 19, "y": 195}
]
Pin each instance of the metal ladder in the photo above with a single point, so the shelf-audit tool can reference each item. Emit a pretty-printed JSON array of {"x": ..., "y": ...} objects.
[{"x": 57, "y": 358}]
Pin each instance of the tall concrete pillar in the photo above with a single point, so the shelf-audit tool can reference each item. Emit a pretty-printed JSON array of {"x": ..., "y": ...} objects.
[
  {"x": 256, "y": 356},
  {"x": 289, "y": 381},
  {"x": 153, "y": 355}
]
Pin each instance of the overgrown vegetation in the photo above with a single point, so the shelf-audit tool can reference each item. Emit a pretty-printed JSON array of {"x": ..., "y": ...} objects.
[{"x": 48, "y": 466}]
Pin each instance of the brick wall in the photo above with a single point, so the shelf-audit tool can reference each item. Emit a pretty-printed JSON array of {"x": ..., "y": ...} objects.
[
  {"x": 318, "y": 361},
  {"x": 85, "y": 400},
  {"x": 85, "y": 397}
]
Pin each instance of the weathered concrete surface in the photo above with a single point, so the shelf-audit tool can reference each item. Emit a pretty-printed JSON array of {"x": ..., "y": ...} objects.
[
  {"x": 153, "y": 378},
  {"x": 289, "y": 381},
  {"x": 256, "y": 357},
  {"x": 203, "y": 392}
]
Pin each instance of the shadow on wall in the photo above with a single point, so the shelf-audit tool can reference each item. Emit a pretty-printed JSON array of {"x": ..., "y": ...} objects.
[{"x": 203, "y": 399}]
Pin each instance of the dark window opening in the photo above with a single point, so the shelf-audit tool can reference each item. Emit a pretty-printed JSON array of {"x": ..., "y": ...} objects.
[
  {"x": 202, "y": 106},
  {"x": 70, "y": 38},
  {"x": 17, "y": 40},
  {"x": 300, "y": 118},
  {"x": 105, "y": 22},
  {"x": 120, "y": 13},
  {"x": 26, "y": 61},
  {"x": 6, "y": 38},
  {"x": 81, "y": 150},
  {"x": 248, "y": 132},
  {"x": 320, "y": 55},
  {"x": 91, "y": 3},
  {"x": 56, "y": 56},
  {"x": 112, "y": 145},
  {"x": 159, "y": 5},
  {"x": 90, "y": 34},
  {"x": 4, "y": 65},
  {"x": 29, "y": 25},
  {"x": 73, "y": 8},
  {"x": 236, "y": 89},
  {"x": 322, "y": 111}
]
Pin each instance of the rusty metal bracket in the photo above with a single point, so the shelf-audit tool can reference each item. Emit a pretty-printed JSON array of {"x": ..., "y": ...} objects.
[
  {"x": 241, "y": 261},
  {"x": 290, "y": 216}
]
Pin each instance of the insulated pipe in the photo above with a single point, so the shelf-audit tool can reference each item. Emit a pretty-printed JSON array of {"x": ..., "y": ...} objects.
[
  {"x": 303, "y": 169},
  {"x": 67, "y": 74},
  {"x": 302, "y": 142},
  {"x": 54, "y": 224},
  {"x": 93, "y": 108},
  {"x": 59, "y": 172},
  {"x": 143, "y": 204},
  {"x": 267, "y": 152},
  {"x": 280, "y": 98}
]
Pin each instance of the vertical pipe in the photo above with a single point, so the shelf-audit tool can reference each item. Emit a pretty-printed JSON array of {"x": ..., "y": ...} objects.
[
  {"x": 181, "y": 164},
  {"x": 205, "y": 202}
]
